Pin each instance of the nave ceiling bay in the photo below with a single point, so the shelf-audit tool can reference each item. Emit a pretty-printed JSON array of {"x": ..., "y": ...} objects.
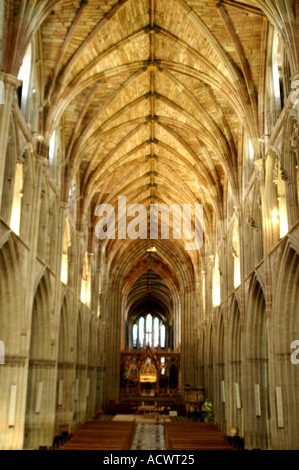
[{"x": 154, "y": 95}]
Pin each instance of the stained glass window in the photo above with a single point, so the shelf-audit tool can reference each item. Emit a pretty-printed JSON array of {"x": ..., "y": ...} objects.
[
  {"x": 156, "y": 332},
  {"x": 162, "y": 336},
  {"x": 135, "y": 335},
  {"x": 148, "y": 330},
  {"x": 141, "y": 332}
]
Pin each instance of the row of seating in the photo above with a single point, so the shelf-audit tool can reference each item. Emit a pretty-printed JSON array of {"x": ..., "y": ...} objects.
[
  {"x": 101, "y": 435},
  {"x": 193, "y": 436}
]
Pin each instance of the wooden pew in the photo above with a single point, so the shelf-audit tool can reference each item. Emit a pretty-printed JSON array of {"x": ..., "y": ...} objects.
[
  {"x": 192, "y": 436},
  {"x": 102, "y": 435}
]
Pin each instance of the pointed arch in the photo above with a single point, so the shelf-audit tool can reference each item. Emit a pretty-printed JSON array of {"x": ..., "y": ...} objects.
[
  {"x": 257, "y": 367},
  {"x": 285, "y": 331},
  {"x": 39, "y": 419},
  {"x": 235, "y": 387}
]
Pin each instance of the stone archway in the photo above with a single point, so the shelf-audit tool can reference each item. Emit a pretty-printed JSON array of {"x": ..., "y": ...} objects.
[
  {"x": 220, "y": 376},
  {"x": 65, "y": 368},
  {"x": 80, "y": 370},
  {"x": 91, "y": 371},
  {"x": 13, "y": 373},
  {"x": 285, "y": 377},
  {"x": 40, "y": 408},
  {"x": 234, "y": 370},
  {"x": 257, "y": 370}
]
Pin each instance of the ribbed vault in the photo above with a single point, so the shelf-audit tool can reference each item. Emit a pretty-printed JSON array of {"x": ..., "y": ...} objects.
[
  {"x": 149, "y": 294},
  {"x": 153, "y": 100},
  {"x": 152, "y": 95}
]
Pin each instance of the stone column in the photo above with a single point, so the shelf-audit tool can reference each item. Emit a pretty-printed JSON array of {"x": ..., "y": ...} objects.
[
  {"x": 239, "y": 214},
  {"x": 38, "y": 426},
  {"x": 29, "y": 270},
  {"x": 65, "y": 370},
  {"x": 101, "y": 357},
  {"x": 189, "y": 350}
]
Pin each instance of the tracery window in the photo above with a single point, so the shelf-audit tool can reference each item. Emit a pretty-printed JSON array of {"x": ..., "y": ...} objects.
[
  {"x": 279, "y": 77},
  {"x": 85, "y": 281},
  {"x": 149, "y": 330},
  {"x": 52, "y": 148},
  {"x": 17, "y": 200},
  {"x": 66, "y": 244},
  {"x": 216, "y": 283},
  {"x": 248, "y": 154},
  {"x": 236, "y": 255}
]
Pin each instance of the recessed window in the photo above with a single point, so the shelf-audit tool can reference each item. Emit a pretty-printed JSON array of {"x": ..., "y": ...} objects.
[
  {"x": 17, "y": 200},
  {"x": 248, "y": 153},
  {"x": 156, "y": 332},
  {"x": 216, "y": 283},
  {"x": 85, "y": 282},
  {"x": 141, "y": 332},
  {"x": 236, "y": 254},
  {"x": 162, "y": 336},
  {"x": 24, "y": 77},
  {"x": 135, "y": 335},
  {"x": 148, "y": 330},
  {"x": 52, "y": 148},
  {"x": 66, "y": 244}
]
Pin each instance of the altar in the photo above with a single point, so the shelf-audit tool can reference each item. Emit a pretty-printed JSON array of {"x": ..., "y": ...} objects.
[{"x": 149, "y": 373}]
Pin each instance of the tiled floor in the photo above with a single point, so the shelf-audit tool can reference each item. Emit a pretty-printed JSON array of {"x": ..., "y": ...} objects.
[{"x": 149, "y": 437}]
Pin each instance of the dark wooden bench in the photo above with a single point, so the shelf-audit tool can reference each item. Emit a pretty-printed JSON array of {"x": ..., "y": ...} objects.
[
  {"x": 101, "y": 435},
  {"x": 192, "y": 436}
]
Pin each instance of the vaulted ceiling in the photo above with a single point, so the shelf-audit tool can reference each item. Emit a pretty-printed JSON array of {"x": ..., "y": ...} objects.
[
  {"x": 153, "y": 95},
  {"x": 149, "y": 294}
]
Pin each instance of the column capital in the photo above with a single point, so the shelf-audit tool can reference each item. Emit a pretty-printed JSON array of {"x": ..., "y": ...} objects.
[
  {"x": 41, "y": 162},
  {"x": 64, "y": 205},
  {"x": 238, "y": 207},
  {"x": 42, "y": 149},
  {"x": 79, "y": 235},
  {"x": 9, "y": 79}
]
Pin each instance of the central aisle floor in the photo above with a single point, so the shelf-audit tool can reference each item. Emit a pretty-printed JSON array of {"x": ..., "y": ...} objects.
[{"x": 149, "y": 437}]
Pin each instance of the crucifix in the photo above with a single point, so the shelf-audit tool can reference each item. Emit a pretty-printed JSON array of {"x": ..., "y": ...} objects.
[{"x": 148, "y": 336}]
